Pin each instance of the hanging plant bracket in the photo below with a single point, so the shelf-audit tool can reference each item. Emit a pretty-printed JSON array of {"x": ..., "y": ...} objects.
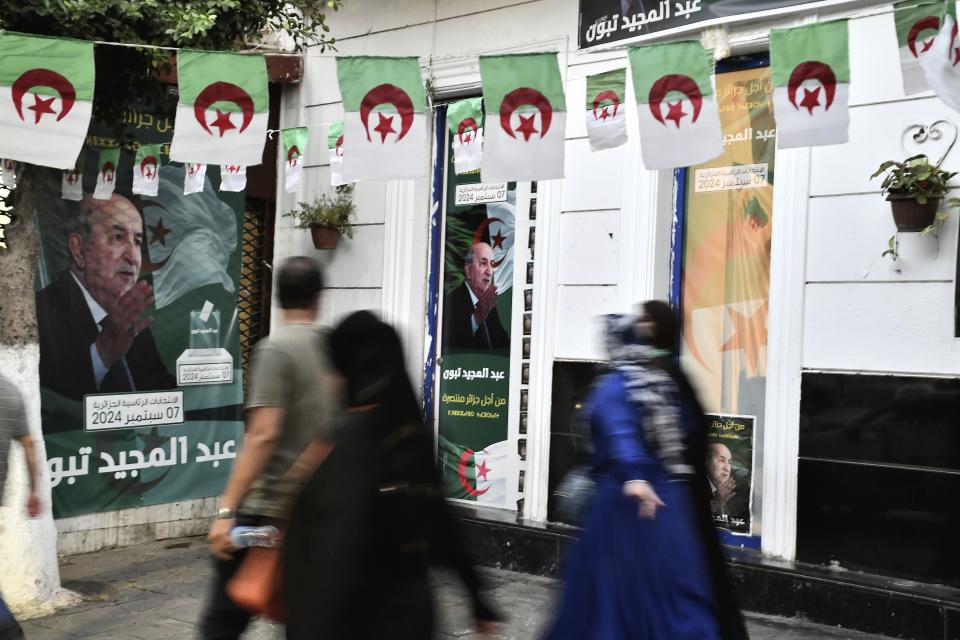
[{"x": 921, "y": 134}]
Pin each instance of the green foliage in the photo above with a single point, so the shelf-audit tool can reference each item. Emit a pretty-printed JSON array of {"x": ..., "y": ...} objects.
[
  {"x": 127, "y": 74},
  {"x": 914, "y": 176},
  {"x": 326, "y": 210}
]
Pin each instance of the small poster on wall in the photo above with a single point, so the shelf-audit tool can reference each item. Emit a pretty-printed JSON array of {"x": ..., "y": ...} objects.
[{"x": 730, "y": 471}]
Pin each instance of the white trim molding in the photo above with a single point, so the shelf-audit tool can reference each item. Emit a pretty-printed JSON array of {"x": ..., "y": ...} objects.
[{"x": 781, "y": 432}]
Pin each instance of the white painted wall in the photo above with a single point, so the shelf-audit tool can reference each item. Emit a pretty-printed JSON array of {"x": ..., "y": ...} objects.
[{"x": 603, "y": 232}]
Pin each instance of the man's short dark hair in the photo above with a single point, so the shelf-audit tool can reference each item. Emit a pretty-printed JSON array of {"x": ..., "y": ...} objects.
[{"x": 299, "y": 282}]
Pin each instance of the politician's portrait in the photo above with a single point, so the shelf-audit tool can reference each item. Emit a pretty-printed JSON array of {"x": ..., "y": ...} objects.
[
  {"x": 470, "y": 318},
  {"x": 92, "y": 318}
]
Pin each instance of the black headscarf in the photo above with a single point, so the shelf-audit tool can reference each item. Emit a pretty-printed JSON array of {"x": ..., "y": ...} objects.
[{"x": 368, "y": 352}]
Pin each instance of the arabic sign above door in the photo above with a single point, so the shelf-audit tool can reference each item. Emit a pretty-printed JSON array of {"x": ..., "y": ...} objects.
[{"x": 606, "y": 21}]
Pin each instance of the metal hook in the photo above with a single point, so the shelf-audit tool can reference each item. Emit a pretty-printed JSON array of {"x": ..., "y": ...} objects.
[{"x": 923, "y": 133}]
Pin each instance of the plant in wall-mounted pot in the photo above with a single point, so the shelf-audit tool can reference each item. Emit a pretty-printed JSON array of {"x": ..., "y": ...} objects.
[
  {"x": 327, "y": 217},
  {"x": 914, "y": 188}
]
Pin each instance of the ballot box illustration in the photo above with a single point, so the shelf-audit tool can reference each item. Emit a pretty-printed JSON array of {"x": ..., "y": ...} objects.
[{"x": 205, "y": 362}]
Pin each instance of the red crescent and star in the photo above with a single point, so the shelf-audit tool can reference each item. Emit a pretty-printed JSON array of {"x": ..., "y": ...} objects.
[
  {"x": 518, "y": 98},
  {"x": 667, "y": 84},
  {"x": 387, "y": 94},
  {"x": 462, "y": 474},
  {"x": 158, "y": 233},
  {"x": 498, "y": 239},
  {"x": 41, "y": 106},
  {"x": 223, "y": 92},
  {"x": 749, "y": 334}
]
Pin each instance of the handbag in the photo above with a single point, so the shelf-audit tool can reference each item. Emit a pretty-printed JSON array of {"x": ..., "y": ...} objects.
[
  {"x": 574, "y": 494},
  {"x": 256, "y": 585}
]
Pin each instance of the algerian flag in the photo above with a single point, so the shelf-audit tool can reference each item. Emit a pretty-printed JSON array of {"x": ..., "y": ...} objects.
[
  {"x": 233, "y": 177},
  {"x": 46, "y": 98},
  {"x": 606, "y": 109},
  {"x": 385, "y": 124},
  {"x": 106, "y": 173},
  {"x": 941, "y": 65},
  {"x": 917, "y": 28},
  {"x": 194, "y": 177},
  {"x": 8, "y": 173},
  {"x": 811, "y": 77},
  {"x": 335, "y": 148},
  {"x": 223, "y": 108},
  {"x": 526, "y": 117},
  {"x": 146, "y": 170},
  {"x": 676, "y": 104},
  {"x": 71, "y": 184},
  {"x": 189, "y": 240},
  {"x": 465, "y": 121},
  {"x": 294, "y": 145},
  {"x": 498, "y": 230},
  {"x": 488, "y": 476}
]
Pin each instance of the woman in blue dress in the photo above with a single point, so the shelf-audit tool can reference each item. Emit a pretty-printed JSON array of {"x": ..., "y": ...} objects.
[{"x": 644, "y": 567}]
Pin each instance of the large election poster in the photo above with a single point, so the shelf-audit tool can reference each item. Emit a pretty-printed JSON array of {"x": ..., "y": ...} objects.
[
  {"x": 726, "y": 256},
  {"x": 474, "y": 452},
  {"x": 137, "y": 317}
]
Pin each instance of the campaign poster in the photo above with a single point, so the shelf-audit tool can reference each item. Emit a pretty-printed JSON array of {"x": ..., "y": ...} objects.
[
  {"x": 474, "y": 380},
  {"x": 730, "y": 471},
  {"x": 606, "y": 21},
  {"x": 140, "y": 377}
]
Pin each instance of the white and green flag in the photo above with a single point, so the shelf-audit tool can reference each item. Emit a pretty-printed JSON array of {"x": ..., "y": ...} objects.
[
  {"x": 811, "y": 77},
  {"x": 676, "y": 104},
  {"x": 525, "y": 116},
  {"x": 385, "y": 122},
  {"x": 8, "y": 173},
  {"x": 606, "y": 109},
  {"x": 146, "y": 170},
  {"x": 941, "y": 66},
  {"x": 294, "y": 143},
  {"x": 335, "y": 149},
  {"x": 233, "y": 177},
  {"x": 486, "y": 476},
  {"x": 223, "y": 108},
  {"x": 194, "y": 177},
  {"x": 106, "y": 173},
  {"x": 46, "y": 98},
  {"x": 190, "y": 240},
  {"x": 465, "y": 122},
  {"x": 917, "y": 27},
  {"x": 71, "y": 182}
]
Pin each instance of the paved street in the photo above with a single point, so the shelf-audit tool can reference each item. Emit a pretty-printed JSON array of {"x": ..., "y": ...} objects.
[{"x": 154, "y": 592}]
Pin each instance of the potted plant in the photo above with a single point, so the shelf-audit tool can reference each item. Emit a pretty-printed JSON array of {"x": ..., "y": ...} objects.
[
  {"x": 914, "y": 188},
  {"x": 327, "y": 217}
]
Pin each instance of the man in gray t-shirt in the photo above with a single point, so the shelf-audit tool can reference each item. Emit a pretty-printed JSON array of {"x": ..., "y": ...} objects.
[
  {"x": 13, "y": 426},
  {"x": 291, "y": 400}
]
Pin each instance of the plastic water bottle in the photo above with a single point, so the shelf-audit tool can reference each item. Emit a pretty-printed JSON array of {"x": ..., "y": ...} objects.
[{"x": 265, "y": 536}]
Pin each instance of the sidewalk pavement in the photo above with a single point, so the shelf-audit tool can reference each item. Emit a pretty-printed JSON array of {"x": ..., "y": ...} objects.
[{"x": 154, "y": 591}]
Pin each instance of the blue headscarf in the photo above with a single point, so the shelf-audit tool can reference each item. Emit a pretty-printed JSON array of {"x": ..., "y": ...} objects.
[{"x": 650, "y": 389}]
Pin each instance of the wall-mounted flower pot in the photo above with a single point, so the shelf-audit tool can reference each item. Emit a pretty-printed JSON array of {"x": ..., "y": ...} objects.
[
  {"x": 910, "y": 215},
  {"x": 325, "y": 236}
]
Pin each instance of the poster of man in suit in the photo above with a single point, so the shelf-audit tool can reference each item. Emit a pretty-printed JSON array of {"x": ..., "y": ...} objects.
[{"x": 136, "y": 299}]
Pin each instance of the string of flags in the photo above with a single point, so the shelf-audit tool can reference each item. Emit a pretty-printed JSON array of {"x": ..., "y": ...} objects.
[{"x": 514, "y": 132}]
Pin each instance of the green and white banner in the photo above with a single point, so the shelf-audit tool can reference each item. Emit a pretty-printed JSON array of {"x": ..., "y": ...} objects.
[
  {"x": 70, "y": 185},
  {"x": 942, "y": 66},
  {"x": 385, "y": 122},
  {"x": 676, "y": 104},
  {"x": 465, "y": 121},
  {"x": 294, "y": 146},
  {"x": 811, "y": 84},
  {"x": 46, "y": 98},
  {"x": 526, "y": 116},
  {"x": 146, "y": 170},
  {"x": 917, "y": 29},
  {"x": 135, "y": 411},
  {"x": 335, "y": 151},
  {"x": 606, "y": 110},
  {"x": 223, "y": 108},
  {"x": 106, "y": 173}
]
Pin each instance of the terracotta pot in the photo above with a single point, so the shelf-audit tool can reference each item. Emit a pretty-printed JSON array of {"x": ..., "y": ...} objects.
[
  {"x": 325, "y": 236},
  {"x": 910, "y": 215}
]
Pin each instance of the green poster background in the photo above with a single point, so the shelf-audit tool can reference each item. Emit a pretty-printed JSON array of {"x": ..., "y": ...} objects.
[
  {"x": 212, "y": 412},
  {"x": 473, "y": 402}
]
